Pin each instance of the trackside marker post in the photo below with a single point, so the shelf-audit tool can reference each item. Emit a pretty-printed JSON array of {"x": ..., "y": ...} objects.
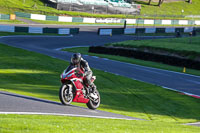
[{"x": 184, "y": 69}]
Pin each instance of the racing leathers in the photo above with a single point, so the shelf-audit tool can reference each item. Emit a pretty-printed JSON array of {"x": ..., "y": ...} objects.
[{"x": 83, "y": 65}]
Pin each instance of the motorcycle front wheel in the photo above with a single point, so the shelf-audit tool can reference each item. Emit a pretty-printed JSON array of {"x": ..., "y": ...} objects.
[
  {"x": 94, "y": 101},
  {"x": 66, "y": 94}
]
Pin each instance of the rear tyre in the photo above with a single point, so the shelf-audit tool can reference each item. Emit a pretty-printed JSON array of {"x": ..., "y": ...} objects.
[
  {"x": 66, "y": 94},
  {"x": 94, "y": 102}
]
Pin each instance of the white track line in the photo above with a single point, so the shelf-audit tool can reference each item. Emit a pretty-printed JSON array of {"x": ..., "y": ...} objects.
[
  {"x": 71, "y": 115},
  {"x": 186, "y": 93},
  {"x": 58, "y": 49},
  {"x": 197, "y": 123}
]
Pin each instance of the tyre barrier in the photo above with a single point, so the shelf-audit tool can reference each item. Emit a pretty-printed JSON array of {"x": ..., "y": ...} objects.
[
  {"x": 118, "y": 31},
  {"x": 147, "y": 55},
  {"x": 40, "y": 30}
]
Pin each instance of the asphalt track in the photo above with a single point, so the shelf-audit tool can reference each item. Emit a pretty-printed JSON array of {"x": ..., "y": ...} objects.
[
  {"x": 49, "y": 45},
  {"x": 19, "y": 104}
]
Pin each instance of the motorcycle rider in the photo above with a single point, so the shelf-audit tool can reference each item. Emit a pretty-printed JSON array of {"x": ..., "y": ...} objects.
[{"x": 78, "y": 61}]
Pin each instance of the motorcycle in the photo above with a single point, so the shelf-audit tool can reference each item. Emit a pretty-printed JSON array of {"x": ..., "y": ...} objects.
[{"x": 74, "y": 89}]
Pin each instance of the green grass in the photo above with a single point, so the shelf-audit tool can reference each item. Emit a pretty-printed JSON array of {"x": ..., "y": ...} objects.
[
  {"x": 84, "y": 50},
  {"x": 157, "y": 34},
  {"x": 11, "y": 22},
  {"x": 174, "y": 8},
  {"x": 37, "y": 75},
  {"x": 188, "y": 46},
  {"x": 62, "y": 124}
]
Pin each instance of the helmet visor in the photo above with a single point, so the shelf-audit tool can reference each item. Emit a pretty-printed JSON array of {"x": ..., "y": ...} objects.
[{"x": 75, "y": 61}]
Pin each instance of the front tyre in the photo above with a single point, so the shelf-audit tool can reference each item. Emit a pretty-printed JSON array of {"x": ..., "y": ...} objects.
[
  {"x": 94, "y": 101},
  {"x": 66, "y": 94}
]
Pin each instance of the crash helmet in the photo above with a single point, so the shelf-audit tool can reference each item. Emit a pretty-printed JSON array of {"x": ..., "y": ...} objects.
[{"x": 76, "y": 58}]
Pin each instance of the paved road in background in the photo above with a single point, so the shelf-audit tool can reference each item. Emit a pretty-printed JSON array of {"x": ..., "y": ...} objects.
[{"x": 48, "y": 44}]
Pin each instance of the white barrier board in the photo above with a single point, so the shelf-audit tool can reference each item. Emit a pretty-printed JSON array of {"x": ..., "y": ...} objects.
[
  {"x": 167, "y": 22},
  {"x": 6, "y": 28},
  {"x": 131, "y": 21},
  {"x": 148, "y": 21},
  {"x": 169, "y": 30},
  {"x": 150, "y": 30},
  {"x": 64, "y": 31},
  {"x": 100, "y": 20},
  {"x": 38, "y": 17},
  {"x": 89, "y": 20},
  {"x": 129, "y": 31},
  {"x": 188, "y": 29},
  {"x": 183, "y": 22},
  {"x": 197, "y": 22},
  {"x": 116, "y": 20},
  {"x": 107, "y": 20},
  {"x": 35, "y": 30},
  {"x": 64, "y": 19},
  {"x": 105, "y": 32}
]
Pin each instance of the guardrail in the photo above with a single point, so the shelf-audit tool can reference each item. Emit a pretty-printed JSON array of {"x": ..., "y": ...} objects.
[{"x": 39, "y": 30}]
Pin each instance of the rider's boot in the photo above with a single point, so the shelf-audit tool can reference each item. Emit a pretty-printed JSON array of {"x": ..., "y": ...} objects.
[{"x": 93, "y": 88}]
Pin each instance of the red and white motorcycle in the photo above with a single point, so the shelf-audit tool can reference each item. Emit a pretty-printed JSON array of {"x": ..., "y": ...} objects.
[{"x": 73, "y": 89}]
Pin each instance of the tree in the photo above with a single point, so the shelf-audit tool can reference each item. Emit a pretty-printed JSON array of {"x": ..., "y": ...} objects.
[
  {"x": 149, "y": 2},
  {"x": 160, "y": 2}
]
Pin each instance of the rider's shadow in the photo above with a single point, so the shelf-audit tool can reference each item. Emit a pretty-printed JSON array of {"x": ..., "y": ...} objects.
[{"x": 38, "y": 100}]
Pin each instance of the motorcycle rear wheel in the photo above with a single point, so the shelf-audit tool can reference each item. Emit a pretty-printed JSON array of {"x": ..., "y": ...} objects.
[
  {"x": 65, "y": 96},
  {"x": 94, "y": 103}
]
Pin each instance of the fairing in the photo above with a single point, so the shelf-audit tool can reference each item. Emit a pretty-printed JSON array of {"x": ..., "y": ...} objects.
[{"x": 75, "y": 76}]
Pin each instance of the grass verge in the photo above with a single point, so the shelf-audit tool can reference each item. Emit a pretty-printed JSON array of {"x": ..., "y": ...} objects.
[
  {"x": 188, "y": 46},
  {"x": 11, "y": 22},
  {"x": 170, "y": 8},
  {"x": 37, "y": 75},
  {"x": 61, "y": 124}
]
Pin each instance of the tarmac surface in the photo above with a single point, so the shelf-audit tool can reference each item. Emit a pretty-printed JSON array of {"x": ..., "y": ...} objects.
[{"x": 19, "y": 104}]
